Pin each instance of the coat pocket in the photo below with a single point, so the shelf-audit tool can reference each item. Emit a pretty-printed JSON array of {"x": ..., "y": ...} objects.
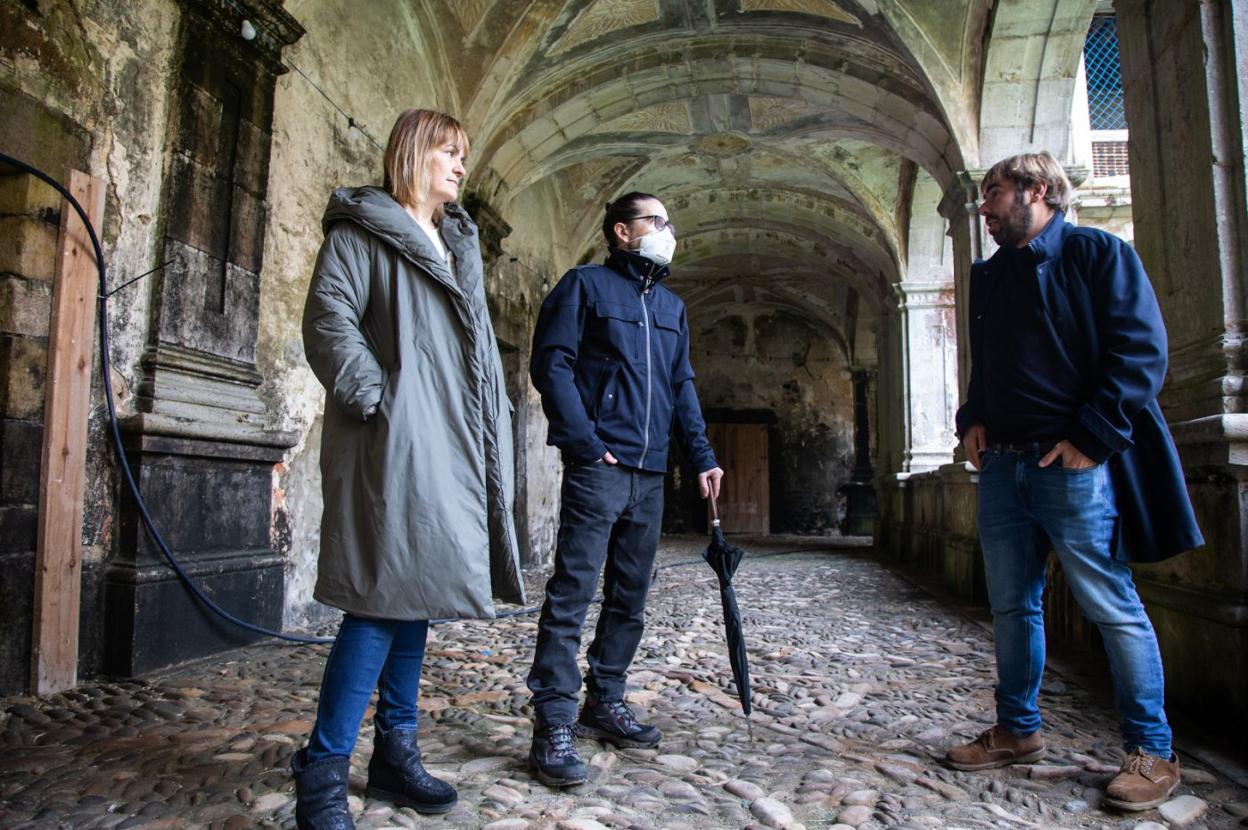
[
  {"x": 622, "y": 326},
  {"x": 667, "y": 322},
  {"x": 604, "y": 390}
]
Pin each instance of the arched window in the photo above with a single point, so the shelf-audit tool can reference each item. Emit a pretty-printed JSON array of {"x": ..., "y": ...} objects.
[
  {"x": 1105, "y": 109},
  {"x": 1100, "y": 55}
]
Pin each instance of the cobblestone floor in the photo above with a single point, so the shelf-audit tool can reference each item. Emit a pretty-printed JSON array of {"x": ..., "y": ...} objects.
[{"x": 861, "y": 681}]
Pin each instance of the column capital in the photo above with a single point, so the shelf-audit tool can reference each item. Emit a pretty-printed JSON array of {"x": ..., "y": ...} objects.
[
  {"x": 916, "y": 295},
  {"x": 960, "y": 194}
]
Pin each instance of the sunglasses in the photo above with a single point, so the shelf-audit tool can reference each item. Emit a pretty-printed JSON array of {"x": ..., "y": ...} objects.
[{"x": 660, "y": 222}]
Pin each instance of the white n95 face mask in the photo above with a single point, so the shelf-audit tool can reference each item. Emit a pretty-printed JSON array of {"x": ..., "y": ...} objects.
[{"x": 657, "y": 246}]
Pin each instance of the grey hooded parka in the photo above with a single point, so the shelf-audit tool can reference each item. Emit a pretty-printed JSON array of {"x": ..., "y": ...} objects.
[{"x": 417, "y": 520}]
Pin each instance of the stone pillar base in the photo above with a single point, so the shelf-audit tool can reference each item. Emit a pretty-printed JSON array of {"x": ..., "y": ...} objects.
[
  {"x": 154, "y": 621},
  {"x": 211, "y": 501},
  {"x": 860, "y": 509},
  {"x": 927, "y": 523}
]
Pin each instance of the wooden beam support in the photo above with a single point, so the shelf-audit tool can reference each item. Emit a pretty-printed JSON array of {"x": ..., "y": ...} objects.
[{"x": 71, "y": 340}]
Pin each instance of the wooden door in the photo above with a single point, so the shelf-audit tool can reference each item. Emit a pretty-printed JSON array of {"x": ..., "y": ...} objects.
[{"x": 744, "y": 502}]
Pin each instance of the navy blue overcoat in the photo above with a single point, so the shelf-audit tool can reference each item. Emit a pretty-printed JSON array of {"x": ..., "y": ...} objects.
[{"x": 1105, "y": 313}]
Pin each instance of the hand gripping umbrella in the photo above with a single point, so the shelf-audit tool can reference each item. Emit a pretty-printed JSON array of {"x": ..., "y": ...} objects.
[{"x": 724, "y": 559}]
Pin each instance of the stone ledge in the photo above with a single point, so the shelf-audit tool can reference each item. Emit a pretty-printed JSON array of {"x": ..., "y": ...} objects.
[
  {"x": 243, "y": 437},
  {"x": 1229, "y": 610},
  {"x": 1215, "y": 440}
]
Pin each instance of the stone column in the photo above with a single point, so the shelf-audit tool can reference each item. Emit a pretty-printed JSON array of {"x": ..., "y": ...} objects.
[
  {"x": 201, "y": 448},
  {"x": 929, "y": 373},
  {"x": 1185, "y": 78},
  {"x": 860, "y": 505},
  {"x": 966, "y": 231}
]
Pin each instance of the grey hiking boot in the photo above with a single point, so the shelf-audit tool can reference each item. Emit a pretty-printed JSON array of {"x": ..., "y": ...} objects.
[
  {"x": 614, "y": 722},
  {"x": 553, "y": 757}
]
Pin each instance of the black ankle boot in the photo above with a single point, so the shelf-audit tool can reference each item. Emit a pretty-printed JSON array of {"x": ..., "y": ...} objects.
[
  {"x": 321, "y": 792},
  {"x": 396, "y": 774}
]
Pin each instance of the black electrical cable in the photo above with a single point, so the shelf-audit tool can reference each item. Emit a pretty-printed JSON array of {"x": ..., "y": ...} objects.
[{"x": 118, "y": 448}]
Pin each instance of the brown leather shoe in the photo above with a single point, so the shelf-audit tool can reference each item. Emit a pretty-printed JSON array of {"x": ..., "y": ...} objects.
[
  {"x": 997, "y": 747},
  {"x": 1144, "y": 782}
]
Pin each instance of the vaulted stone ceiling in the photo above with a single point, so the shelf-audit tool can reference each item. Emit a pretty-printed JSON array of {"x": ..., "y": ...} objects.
[{"x": 784, "y": 135}]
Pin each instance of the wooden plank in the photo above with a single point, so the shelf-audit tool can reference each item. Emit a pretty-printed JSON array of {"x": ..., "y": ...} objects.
[
  {"x": 71, "y": 339},
  {"x": 745, "y": 504}
]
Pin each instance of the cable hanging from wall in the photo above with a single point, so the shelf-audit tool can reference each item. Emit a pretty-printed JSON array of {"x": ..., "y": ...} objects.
[{"x": 247, "y": 31}]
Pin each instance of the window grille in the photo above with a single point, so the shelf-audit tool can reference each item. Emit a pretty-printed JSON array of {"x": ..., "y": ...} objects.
[{"x": 1100, "y": 56}]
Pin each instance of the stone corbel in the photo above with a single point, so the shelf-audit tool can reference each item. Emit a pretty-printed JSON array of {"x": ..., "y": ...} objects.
[
  {"x": 274, "y": 27},
  {"x": 492, "y": 227}
]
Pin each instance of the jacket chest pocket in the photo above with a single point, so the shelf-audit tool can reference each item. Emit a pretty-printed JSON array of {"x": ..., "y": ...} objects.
[
  {"x": 667, "y": 332},
  {"x": 621, "y": 326}
]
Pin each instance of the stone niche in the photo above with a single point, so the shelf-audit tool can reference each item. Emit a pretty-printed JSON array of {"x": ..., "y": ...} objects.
[{"x": 200, "y": 446}]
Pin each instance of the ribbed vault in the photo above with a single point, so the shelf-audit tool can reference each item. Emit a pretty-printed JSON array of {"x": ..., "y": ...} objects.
[{"x": 784, "y": 135}]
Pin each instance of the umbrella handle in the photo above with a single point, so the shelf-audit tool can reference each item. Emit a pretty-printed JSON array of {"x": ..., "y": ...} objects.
[{"x": 714, "y": 513}]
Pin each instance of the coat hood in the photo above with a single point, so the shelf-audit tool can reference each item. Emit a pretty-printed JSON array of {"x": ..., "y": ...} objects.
[{"x": 375, "y": 210}]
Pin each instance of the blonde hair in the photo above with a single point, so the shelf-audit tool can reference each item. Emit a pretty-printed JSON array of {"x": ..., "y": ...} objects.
[
  {"x": 1029, "y": 169},
  {"x": 415, "y": 135}
]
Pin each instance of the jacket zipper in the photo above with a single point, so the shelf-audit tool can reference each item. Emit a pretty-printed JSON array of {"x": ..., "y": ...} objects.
[{"x": 645, "y": 321}]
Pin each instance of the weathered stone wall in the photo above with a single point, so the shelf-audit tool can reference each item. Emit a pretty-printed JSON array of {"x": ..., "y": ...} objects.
[
  {"x": 1185, "y": 71},
  {"x": 93, "y": 88},
  {"x": 89, "y": 92},
  {"x": 777, "y": 363}
]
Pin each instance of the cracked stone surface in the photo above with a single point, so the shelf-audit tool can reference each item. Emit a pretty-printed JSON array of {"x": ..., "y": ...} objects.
[{"x": 860, "y": 682}]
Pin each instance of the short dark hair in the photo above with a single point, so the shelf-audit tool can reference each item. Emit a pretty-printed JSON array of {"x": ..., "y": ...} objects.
[{"x": 622, "y": 210}]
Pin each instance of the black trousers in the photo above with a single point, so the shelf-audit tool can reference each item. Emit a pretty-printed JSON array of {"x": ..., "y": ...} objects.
[{"x": 609, "y": 515}]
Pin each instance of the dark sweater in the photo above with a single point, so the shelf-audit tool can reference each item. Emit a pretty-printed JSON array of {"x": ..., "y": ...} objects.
[{"x": 1031, "y": 389}]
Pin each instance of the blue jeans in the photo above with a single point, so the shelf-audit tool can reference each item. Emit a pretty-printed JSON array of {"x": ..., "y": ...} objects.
[
  {"x": 368, "y": 654},
  {"x": 609, "y": 515},
  {"x": 1024, "y": 510}
]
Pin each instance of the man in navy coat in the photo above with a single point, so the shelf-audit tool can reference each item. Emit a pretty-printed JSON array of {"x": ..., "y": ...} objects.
[
  {"x": 1068, "y": 354},
  {"x": 611, "y": 361}
]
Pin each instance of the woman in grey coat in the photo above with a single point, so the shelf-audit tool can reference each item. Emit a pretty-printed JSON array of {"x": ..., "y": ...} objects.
[{"x": 416, "y": 458}]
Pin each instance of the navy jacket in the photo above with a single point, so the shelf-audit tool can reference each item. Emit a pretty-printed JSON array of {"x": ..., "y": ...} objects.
[
  {"x": 611, "y": 361},
  {"x": 1102, "y": 306}
]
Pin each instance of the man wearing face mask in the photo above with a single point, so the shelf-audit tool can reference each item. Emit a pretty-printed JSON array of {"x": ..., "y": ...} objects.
[{"x": 611, "y": 361}]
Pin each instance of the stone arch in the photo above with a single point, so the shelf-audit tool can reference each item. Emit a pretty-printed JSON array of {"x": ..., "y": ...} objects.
[
  {"x": 1030, "y": 70},
  {"x": 526, "y": 138},
  {"x": 813, "y": 212}
]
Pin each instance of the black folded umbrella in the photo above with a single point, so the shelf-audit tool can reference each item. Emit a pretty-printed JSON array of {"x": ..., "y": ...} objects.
[{"x": 724, "y": 559}]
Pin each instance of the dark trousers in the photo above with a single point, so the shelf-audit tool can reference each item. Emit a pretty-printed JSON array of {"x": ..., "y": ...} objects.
[{"x": 608, "y": 514}]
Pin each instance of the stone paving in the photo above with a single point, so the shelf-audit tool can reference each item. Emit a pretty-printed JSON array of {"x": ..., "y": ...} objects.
[{"x": 860, "y": 682}]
